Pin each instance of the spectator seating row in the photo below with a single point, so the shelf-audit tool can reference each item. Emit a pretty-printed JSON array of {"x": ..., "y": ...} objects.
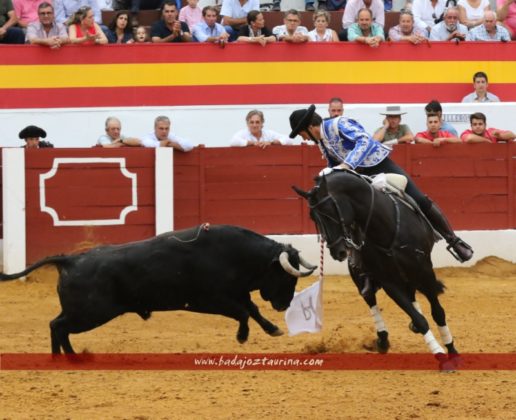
[{"x": 272, "y": 19}]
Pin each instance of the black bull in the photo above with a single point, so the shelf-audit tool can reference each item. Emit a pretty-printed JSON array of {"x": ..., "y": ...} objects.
[
  {"x": 387, "y": 242},
  {"x": 207, "y": 270}
]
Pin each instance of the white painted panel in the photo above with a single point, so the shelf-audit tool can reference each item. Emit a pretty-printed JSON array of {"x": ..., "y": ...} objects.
[{"x": 164, "y": 174}]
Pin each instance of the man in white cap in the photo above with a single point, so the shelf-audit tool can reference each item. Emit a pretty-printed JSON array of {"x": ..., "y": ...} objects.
[
  {"x": 346, "y": 145},
  {"x": 392, "y": 131},
  {"x": 31, "y": 134}
]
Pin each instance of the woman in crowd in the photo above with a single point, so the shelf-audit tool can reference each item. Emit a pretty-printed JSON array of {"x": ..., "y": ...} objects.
[
  {"x": 256, "y": 135},
  {"x": 471, "y": 12},
  {"x": 255, "y": 30},
  {"x": 506, "y": 13},
  {"x": 119, "y": 30},
  {"x": 84, "y": 30},
  {"x": 321, "y": 32}
]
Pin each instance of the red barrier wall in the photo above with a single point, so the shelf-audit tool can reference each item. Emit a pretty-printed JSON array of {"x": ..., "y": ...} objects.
[{"x": 474, "y": 184}]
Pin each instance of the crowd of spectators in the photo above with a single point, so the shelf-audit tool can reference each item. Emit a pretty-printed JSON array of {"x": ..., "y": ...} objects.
[{"x": 80, "y": 21}]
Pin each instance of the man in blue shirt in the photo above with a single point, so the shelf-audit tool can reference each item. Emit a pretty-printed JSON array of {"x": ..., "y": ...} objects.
[{"x": 346, "y": 145}]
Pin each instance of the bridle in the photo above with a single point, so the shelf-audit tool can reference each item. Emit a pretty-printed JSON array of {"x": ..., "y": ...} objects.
[{"x": 346, "y": 236}]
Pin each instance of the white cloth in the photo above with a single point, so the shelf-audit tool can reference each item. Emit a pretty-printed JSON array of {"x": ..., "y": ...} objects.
[
  {"x": 150, "y": 140},
  {"x": 240, "y": 138},
  {"x": 353, "y": 6},
  {"x": 327, "y": 37},
  {"x": 424, "y": 11},
  {"x": 233, "y": 8},
  {"x": 305, "y": 313},
  {"x": 471, "y": 12}
]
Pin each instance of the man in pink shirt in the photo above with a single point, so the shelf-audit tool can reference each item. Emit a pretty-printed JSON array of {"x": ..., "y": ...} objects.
[
  {"x": 479, "y": 132},
  {"x": 434, "y": 135},
  {"x": 27, "y": 11}
]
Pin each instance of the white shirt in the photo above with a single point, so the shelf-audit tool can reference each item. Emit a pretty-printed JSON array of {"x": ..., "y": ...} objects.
[
  {"x": 327, "y": 37},
  {"x": 353, "y": 6},
  {"x": 105, "y": 139},
  {"x": 241, "y": 137},
  {"x": 150, "y": 140},
  {"x": 233, "y": 8},
  {"x": 281, "y": 30},
  {"x": 424, "y": 12},
  {"x": 471, "y": 12}
]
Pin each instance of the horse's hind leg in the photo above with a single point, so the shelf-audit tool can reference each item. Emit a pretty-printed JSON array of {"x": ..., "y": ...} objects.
[{"x": 439, "y": 317}]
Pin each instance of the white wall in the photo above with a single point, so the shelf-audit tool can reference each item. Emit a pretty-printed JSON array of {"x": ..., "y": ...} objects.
[{"x": 80, "y": 127}]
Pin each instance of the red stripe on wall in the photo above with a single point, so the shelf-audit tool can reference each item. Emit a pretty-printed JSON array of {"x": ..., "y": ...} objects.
[
  {"x": 198, "y": 53},
  {"x": 241, "y": 95}
]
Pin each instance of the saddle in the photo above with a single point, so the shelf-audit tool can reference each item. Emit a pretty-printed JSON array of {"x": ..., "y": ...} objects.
[{"x": 395, "y": 184}]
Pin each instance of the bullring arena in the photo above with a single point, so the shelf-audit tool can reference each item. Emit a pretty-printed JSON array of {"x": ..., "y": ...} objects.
[{"x": 51, "y": 206}]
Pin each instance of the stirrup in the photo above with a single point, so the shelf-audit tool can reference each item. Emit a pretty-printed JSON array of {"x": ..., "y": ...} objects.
[{"x": 451, "y": 249}]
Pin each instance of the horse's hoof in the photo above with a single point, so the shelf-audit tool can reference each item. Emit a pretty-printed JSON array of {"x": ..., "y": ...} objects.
[
  {"x": 455, "y": 359},
  {"x": 276, "y": 333},
  {"x": 382, "y": 346},
  {"x": 445, "y": 365}
]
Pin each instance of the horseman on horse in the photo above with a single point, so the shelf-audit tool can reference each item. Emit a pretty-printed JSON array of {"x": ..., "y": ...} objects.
[{"x": 346, "y": 145}]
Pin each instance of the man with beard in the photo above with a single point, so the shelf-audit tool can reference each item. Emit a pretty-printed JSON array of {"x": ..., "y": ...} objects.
[{"x": 449, "y": 29}]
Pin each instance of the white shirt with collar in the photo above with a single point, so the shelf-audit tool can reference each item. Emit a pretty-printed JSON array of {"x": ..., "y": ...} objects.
[
  {"x": 235, "y": 10},
  {"x": 242, "y": 137},
  {"x": 150, "y": 140},
  {"x": 353, "y": 6}
]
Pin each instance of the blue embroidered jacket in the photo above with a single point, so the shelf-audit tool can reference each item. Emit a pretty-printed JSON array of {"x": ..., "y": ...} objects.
[{"x": 345, "y": 141}]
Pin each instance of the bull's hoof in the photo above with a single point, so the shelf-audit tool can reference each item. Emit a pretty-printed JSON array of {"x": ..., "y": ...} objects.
[
  {"x": 242, "y": 338},
  {"x": 276, "y": 333}
]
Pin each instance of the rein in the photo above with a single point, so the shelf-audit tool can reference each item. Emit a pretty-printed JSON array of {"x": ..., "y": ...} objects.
[{"x": 346, "y": 237}]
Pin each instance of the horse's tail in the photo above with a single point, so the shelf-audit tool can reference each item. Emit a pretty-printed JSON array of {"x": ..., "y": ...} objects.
[{"x": 58, "y": 260}]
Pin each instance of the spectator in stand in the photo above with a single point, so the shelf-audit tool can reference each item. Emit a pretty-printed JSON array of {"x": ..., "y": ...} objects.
[
  {"x": 31, "y": 134},
  {"x": 434, "y": 107},
  {"x": 84, "y": 30},
  {"x": 506, "y": 11},
  {"x": 255, "y": 30},
  {"x": 434, "y": 135},
  {"x": 336, "y": 107},
  {"x": 141, "y": 36},
  {"x": 47, "y": 31},
  {"x": 106, "y": 4},
  {"x": 392, "y": 131},
  {"x": 256, "y": 135},
  {"x": 234, "y": 14},
  {"x": 9, "y": 33},
  {"x": 479, "y": 133},
  {"x": 353, "y": 7},
  {"x": 428, "y": 13},
  {"x": 449, "y": 29},
  {"x": 480, "y": 94},
  {"x": 161, "y": 137},
  {"x": 191, "y": 14},
  {"x": 309, "y": 5},
  {"x": 208, "y": 30},
  {"x": 406, "y": 30},
  {"x": 65, "y": 9},
  {"x": 119, "y": 31},
  {"x": 291, "y": 31},
  {"x": 365, "y": 30},
  {"x": 113, "y": 136},
  {"x": 168, "y": 28},
  {"x": 490, "y": 30},
  {"x": 26, "y": 11},
  {"x": 321, "y": 32},
  {"x": 134, "y": 6},
  {"x": 471, "y": 12}
]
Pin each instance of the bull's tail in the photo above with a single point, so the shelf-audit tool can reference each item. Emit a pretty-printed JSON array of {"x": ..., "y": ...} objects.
[{"x": 58, "y": 260}]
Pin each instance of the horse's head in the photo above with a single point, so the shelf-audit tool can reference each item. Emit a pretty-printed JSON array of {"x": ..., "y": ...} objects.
[{"x": 332, "y": 217}]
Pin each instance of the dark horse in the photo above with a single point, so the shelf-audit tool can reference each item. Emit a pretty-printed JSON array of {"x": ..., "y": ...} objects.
[{"x": 388, "y": 242}]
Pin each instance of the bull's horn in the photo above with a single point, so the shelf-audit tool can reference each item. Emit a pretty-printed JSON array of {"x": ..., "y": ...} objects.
[
  {"x": 306, "y": 264},
  {"x": 285, "y": 263}
]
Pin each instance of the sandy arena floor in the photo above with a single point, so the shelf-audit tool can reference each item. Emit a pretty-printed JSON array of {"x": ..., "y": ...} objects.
[{"x": 480, "y": 304}]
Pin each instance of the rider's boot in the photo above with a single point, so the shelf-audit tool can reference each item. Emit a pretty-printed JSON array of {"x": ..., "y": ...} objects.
[{"x": 456, "y": 246}]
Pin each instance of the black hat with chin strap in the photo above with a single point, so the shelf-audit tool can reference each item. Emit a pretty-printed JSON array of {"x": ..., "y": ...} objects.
[{"x": 300, "y": 120}]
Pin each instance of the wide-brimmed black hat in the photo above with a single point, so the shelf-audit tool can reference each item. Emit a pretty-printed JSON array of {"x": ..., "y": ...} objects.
[
  {"x": 32, "y": 131},
  {"x": 300, "y": 120}
]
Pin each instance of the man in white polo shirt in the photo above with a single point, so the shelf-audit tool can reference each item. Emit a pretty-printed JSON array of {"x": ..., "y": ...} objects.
[{"x": 161, "y": 137}]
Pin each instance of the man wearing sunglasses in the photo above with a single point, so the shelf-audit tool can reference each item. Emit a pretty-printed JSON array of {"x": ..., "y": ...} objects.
[{"x": 46, "y": 31}]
